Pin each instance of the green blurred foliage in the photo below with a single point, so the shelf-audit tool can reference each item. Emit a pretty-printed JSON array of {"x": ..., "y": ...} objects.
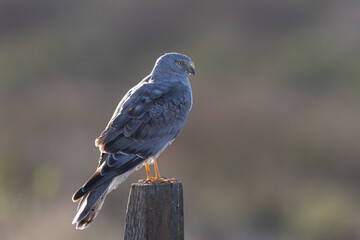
[
  {"x": 271, "y": 147},
  {"x": 46, "y": 181}
]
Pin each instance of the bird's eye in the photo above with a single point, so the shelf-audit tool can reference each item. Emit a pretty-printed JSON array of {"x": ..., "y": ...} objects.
[{"x": 181, "y": 63}]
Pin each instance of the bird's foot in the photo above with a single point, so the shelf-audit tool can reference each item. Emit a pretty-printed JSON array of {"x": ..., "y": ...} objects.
[{"x": 157, "y": 180}]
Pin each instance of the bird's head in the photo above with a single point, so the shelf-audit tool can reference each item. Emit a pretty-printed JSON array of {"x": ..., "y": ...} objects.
[{"x": 175, "y": 64}]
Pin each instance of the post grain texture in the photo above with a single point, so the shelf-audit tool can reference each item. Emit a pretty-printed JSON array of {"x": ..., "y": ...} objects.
[{"x": 155, "y": 212}]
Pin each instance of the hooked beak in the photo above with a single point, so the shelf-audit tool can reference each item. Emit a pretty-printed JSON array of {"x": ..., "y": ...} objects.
[{"x": 192, "y": 69}]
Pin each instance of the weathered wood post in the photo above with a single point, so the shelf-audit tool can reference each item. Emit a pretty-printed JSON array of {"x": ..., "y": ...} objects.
[{"x": 155, "y": 212}]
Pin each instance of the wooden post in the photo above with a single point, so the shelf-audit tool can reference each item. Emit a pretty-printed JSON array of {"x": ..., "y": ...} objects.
[{"x": 155, "y": 212}]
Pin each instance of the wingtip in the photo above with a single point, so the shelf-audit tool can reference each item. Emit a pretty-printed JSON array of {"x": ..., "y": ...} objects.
[{"x": 77, "y": 195}]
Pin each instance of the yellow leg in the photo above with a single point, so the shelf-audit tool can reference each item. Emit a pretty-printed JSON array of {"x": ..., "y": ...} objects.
[
  {"x": 148, "y": 175},
  {"x": 158, "y": 178},
  {"x": 157, "y": 175}
]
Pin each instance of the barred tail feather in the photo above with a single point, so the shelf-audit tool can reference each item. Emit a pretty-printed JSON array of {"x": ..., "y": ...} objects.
[
  {"x": 92, "y": 194},
  {"x": 90, "y": 206},
  {"x": 91, "y": 203}
]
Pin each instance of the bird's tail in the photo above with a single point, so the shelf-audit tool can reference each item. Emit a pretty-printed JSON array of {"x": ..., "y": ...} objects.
[
  {"x": 90, "y": 206},
  {"x": 106, "y": 178}
]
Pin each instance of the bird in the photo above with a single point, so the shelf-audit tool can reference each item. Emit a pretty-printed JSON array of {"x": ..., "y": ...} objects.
[{"x": 147, "y": 119}]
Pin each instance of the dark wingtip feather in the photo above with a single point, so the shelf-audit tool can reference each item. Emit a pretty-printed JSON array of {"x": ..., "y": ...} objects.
[
  {"x": 87, "y": 187},
  {"x": 77, "y": 195}
]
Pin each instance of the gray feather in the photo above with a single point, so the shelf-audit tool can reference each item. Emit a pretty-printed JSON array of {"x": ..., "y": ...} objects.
[{"x": 147, "y": 119}]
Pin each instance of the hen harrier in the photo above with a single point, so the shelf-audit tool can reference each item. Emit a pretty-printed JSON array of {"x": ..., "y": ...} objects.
[{"x": 146, "y": 121}]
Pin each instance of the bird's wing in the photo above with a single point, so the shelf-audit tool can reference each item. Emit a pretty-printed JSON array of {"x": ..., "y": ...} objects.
[{"x": 150, "y": 115}]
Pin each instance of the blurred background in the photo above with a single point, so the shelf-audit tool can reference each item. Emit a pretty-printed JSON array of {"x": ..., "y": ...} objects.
[{"x": 270, "y": 150}]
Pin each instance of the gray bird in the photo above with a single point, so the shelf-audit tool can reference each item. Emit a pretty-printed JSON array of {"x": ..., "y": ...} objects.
[{"x": 145, "y": 122}]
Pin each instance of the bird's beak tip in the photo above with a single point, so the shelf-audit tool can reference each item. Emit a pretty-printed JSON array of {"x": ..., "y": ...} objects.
[{"x": 192, "y": 69}]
